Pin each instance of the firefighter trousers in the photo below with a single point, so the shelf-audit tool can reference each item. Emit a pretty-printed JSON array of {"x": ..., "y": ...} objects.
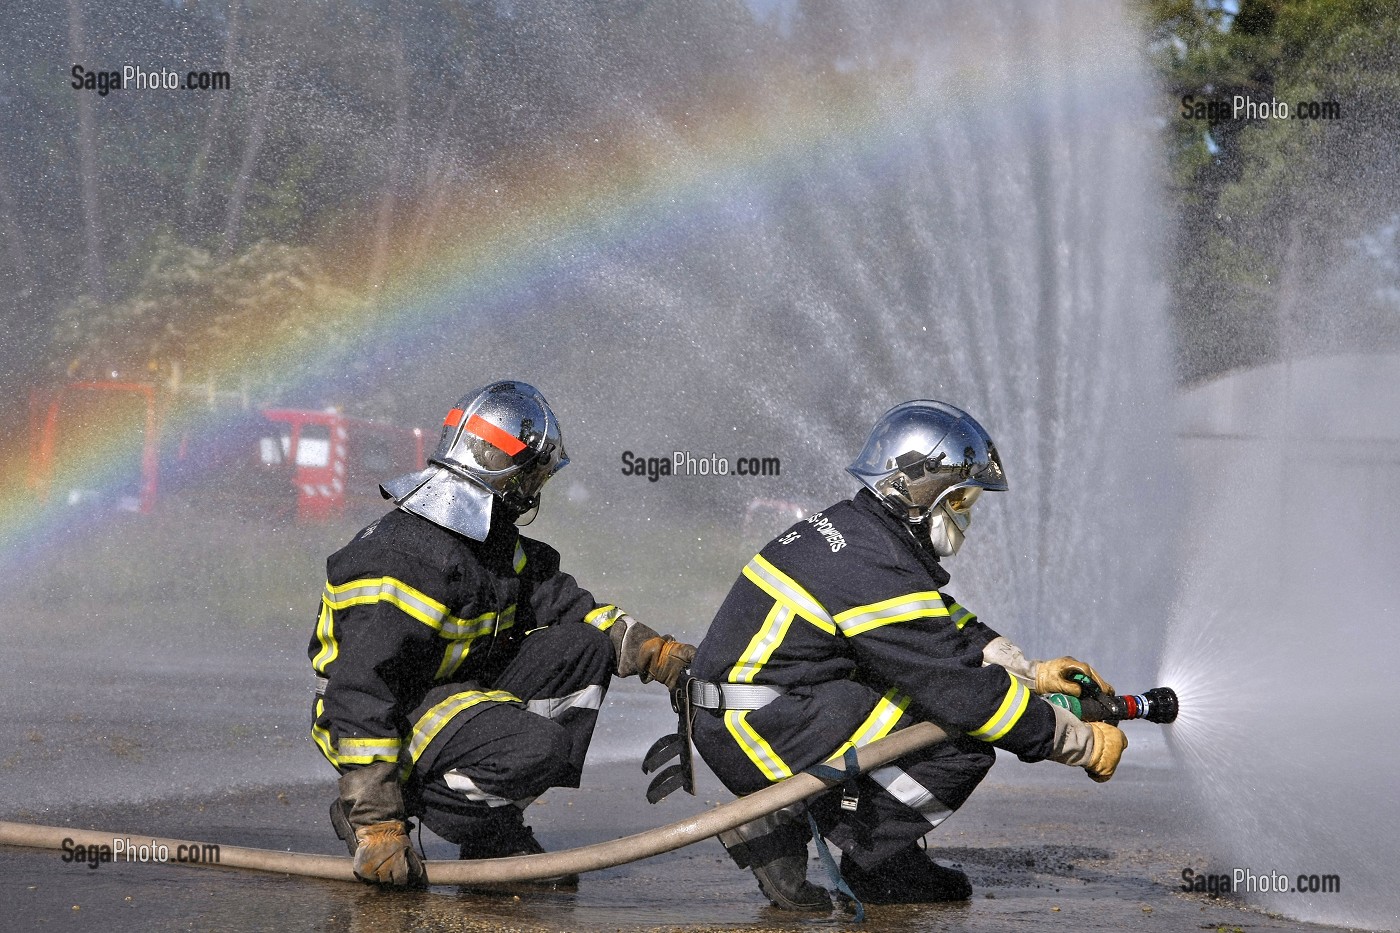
[
  {"x": 898, "y": 803},
  {"x": 504, "y": 743}
]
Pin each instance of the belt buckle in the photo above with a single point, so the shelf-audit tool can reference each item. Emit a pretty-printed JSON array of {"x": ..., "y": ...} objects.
[{"x": 702, "y": 687}]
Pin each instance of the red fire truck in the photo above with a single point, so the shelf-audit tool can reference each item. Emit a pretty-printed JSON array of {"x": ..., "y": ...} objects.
[
  {"x": 123, "y": 445},
  {"x": 340, "y": 461}
]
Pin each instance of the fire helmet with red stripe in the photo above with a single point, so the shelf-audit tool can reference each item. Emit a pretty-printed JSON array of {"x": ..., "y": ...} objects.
[{"x": 501, "y": 442}]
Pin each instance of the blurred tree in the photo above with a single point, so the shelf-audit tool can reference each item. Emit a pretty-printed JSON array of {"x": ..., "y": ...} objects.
[
  {"x": 87, "y": 160},
  {"x": 1267, "y": 206},
  {"x": 194, "y": 317}
]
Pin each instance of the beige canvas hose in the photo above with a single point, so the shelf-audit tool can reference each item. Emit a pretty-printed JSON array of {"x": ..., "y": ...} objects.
[{"x": 521, "y": 868}]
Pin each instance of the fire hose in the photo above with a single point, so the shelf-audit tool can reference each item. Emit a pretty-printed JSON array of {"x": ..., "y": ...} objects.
[
  {"x": 525, "y": 867},
  {"x": 1158, "y": 705}
]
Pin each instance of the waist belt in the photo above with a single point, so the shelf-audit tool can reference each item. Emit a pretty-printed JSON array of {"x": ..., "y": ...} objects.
[{"x": 730, "y": 696}]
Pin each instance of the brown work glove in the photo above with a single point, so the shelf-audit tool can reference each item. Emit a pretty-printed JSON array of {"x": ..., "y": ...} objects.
[
  {"x": 1053, "y": 676},
  {"x": 373, "y": 803},
  {"x": 1109, "y": 742},
  {"x": 651, "y": 656},
  {"x": 663, "y": 658},
  {"x": 385, "y": 855}
]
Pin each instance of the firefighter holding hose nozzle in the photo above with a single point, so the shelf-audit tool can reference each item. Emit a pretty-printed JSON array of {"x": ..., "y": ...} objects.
[
  {"x": 459, "y": 670},
  {"x": 840, "y": 632}
]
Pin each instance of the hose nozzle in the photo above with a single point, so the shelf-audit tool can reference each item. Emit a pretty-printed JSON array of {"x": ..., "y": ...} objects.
[{"x": 1157, "y": 705}]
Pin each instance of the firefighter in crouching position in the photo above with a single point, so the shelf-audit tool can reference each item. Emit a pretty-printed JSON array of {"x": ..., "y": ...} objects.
[
  {"x": 459, "y": 670},
  {"x": 839, "y": 632}
]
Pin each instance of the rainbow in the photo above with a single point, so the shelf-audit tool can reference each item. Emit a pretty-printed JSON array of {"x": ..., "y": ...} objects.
[{"x": 525, "y": 220}]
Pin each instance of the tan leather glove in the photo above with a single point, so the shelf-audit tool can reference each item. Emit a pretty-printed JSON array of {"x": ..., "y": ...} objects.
[
  {"x": 642, "y": 651},
  {"x": 384, "y": 855},
  {"x": 373, "y": 805},
  {"x": 1053, "y": 676},
  {"x": 1109, "y": 742},
  {"x": 665, "y": 659}
]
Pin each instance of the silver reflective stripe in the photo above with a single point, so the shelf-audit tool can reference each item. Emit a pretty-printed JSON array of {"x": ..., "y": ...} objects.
[
  {"x": 452, "y": 659},
  {"x": 390, "y": 590},
  {"x": 469, "y": 628},
  {"x": 319, "y": 688},
  {"x": 778, "y": 585},
  {"x": 603, "y": 617},
  {"x": 363, "y": 751},
  {"x": 1007, "y": 715},
  {"x": 432, "y": 722},
  {"x": 467, "y": 788},
  {"x": 882, "y": 719},
  {"x": 464, "y": 633},
  {"x": 519, "y": 557},
  {"x": 764, "y": 643},
  {"x": 590, "y": 697},
  {"x": 911, "y": 793},
  {"x": 755, "y": 746},
  {"x": 894, "y": 610},
  {"x": 960, "y": 615}
]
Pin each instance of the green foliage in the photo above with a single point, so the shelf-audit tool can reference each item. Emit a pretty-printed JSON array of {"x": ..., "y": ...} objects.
[
  {"x": 192, "y": 316},
  {"x": 1267, "y": 206}
]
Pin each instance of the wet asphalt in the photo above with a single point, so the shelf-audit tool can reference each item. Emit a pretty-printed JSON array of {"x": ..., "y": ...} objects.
[{"x": 212, "y": 748}]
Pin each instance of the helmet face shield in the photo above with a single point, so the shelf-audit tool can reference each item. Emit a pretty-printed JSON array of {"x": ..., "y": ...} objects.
[{"x": 958, "y": 504}]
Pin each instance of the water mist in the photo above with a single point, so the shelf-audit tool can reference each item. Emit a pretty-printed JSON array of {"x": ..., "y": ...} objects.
[{"x": 1283, "y": 638}]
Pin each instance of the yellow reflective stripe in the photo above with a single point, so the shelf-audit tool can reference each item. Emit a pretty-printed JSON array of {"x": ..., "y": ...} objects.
[
  {"x": 928, "y": 604},
  {"x": 433, "y": 721},
  {"x": 960, "y": 615},
  {"x": 878, "y": 724},
  {"x": 1007, "y": 715},
  {"x": 325, "y": 634},
  {"x": 469, "y": 628},
  {"x": 603, "y": 617},
  {"x": 784, "y": 589},
  {"x": 322, "y": 736},
  {"x": 519, "y": 556},
  {"x": 753, "y": 744},
  {"x": 351, "y": 751},
  {"x": 764, "y": 642},
  {"x": 415, "y": 603},
  {"x": 463, "y": 638},
  {"x": 506, "y": 620},
  {"x": 365, "y": 751}
]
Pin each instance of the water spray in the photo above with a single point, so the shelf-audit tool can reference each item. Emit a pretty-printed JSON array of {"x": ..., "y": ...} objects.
[{"x": 1157, "y": 705}]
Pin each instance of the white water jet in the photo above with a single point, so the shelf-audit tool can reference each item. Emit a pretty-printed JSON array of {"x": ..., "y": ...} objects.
[{"x": 990, "y": 240}]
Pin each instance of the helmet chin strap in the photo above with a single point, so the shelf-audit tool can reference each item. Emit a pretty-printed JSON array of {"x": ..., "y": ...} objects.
[{"x": 522, "y": 510}]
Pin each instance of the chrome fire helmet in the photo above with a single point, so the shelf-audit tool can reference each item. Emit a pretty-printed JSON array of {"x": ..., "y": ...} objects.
[
  {"x": 499, "y": 442},
  {"x": 928, "y": 462}
]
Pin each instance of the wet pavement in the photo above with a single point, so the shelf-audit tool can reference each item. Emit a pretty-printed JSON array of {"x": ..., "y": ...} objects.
[
  {"x": 1043, "y": 846},
  {"x": 199, "y": 732}
]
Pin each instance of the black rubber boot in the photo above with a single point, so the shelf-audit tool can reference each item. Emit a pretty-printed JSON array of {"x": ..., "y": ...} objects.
[
  {"x": 784, "y": 881},
  {"x": 776, "y": 852},
  {"x": 505, "y": 834},
  {"x": 909, "y": 877}
]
